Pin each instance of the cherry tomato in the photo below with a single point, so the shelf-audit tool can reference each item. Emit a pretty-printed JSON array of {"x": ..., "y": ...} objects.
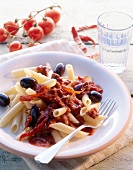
[
  {"x": 36, "y": 33},
  {"x": 54, "y": 14},
  {"x": 14, "y": 46},
  {"x": 3, "y": 34},
  {"x": 11, "y": 27},
  {"x": 28, "y": 23},
  {"x": 47, "y": 24}
]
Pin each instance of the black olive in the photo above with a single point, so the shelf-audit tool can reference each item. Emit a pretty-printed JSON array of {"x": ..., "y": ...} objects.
[
  {"x": 4, "y": 100},
  {"x": 78, "y": 87},
  {"x": 34, "y": 113},
  {"x": 28, "y": 82},
  {"x": 59, "y": 69},
  {"x": 95, "y": 96}
]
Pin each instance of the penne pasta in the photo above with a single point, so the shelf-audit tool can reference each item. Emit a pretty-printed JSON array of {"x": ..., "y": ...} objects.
[
  {"x": 56, "y": 135},
  {"x": 21, "y": 92},
  {"x": 67, "y": 129},
  {"x": 39, "y": 102},
  {"x": 72, "y": 118},
  {"x": 20, "y": 72},
  {"x": 16, "y": 122},
  {"x": 12, "y": 96},
  {"x": 59, "y": 112},
  {"x": 85, "y": 100},
  {"x": 70, "y": 72},
  {"x": 10, "y": 114},
  {"x": 89, "y": 107},
  {"x": 94, "y": 122},
  {"x": 96, "y": 105},
  {"x": 50, "y": 83},
  {"x": 10, "y": 91},
  {"x": 24, "y": 116},
  {"x": 53, "y": 100},
  {"x": 38, "y": 76},
  {"x": 63, "y": 135},
  {"x": 83, "y": 111},
  {"x": 30, "y": 91},
  {"x": 14, "y": 102}
]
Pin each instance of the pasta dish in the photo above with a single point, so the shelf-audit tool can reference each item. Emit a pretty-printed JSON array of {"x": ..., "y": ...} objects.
[{"x": 48, "y": 105}]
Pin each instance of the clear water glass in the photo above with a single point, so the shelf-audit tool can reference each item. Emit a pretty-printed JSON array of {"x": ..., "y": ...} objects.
[{"x": 114, "y": 37}]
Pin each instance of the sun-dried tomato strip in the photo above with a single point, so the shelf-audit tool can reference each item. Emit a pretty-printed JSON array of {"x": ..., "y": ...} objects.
[
  {"x": 70, "y": 90},
  {"x": 34, "y": 130},
  {"x": 86, "y": 39},
  {"x": 42, "y": 91},
  {"x": 86, "y": 27},
  {"x": 78, "y": 40},
  {"x": 30, "y": 97}
]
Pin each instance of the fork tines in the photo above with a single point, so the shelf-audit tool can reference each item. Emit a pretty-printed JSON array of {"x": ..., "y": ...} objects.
[{"x": 106, "y": 107}]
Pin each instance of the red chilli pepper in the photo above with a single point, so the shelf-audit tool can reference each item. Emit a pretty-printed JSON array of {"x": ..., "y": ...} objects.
[
  {"x": 86, "y": 39},
  {"x": 86, "y": 27},
  {"x": 77, "y": 39}
]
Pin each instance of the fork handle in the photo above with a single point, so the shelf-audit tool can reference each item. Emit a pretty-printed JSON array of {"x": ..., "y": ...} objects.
[{"x": 47, "y": 155}]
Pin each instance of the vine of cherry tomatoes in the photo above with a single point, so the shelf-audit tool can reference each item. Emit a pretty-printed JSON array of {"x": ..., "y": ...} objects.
[{"x": 33, "y": 29}]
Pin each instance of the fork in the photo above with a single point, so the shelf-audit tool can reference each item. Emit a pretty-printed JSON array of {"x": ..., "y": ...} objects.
[{"x": 46, "y": 156}]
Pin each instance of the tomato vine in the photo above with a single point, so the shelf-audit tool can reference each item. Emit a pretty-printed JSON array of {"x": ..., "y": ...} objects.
[{"x": 32, "y": 28}]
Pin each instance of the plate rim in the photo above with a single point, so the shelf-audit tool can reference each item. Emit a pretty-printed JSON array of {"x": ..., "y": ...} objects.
[{"x": 87, "y": 152}]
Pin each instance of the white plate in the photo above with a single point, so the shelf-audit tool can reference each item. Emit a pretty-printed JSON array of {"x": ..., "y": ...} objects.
[{"x": 113, "y": 88}]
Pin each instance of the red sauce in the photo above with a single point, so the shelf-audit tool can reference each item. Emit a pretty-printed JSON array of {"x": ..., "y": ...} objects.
[{"x": 58, "y": 96}]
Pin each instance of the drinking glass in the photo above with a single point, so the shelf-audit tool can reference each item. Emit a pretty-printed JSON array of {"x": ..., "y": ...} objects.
[{"x": 114, "y": 37}]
